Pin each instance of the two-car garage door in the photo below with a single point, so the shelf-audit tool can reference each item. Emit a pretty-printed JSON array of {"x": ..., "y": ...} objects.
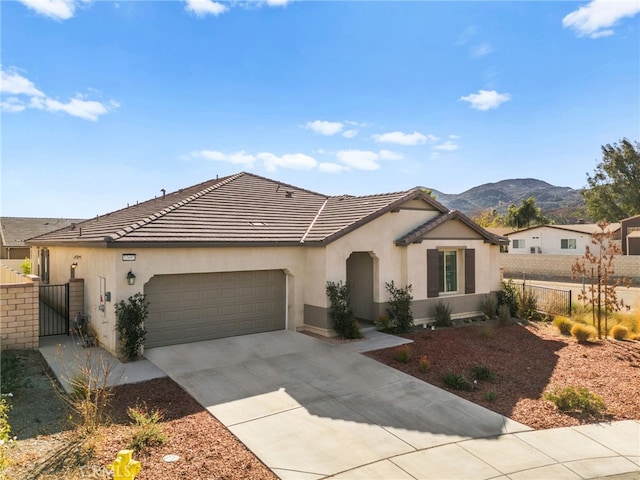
[{"x": 202, "y": 306}]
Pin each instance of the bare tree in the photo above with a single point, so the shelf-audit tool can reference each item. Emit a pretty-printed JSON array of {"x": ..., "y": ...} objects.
[{"x": 597, "y": 265}]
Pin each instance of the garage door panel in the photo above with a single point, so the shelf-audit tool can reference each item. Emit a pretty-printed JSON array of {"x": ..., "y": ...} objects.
[{"x": 194, "y": 307}]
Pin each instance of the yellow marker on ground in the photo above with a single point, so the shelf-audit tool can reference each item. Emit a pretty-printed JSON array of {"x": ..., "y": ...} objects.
[{"x": 124, "y": 467}]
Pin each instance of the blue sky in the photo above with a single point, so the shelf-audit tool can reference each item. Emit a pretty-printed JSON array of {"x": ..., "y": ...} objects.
[{"x": 106, "y": 103}]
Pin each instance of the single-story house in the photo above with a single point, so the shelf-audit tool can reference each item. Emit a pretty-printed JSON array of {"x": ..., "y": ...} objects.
[
  {"x": 556, "y": 239},
  {"x": 630, "y": 232},
  {"x": 15, "y": 230},
  {"x": 245, "y": 254}
]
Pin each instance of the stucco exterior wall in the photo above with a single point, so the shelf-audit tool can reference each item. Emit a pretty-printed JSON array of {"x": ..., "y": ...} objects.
[
  {"x": 19, "y": 314},
  {"x": 547, "y": 240}
]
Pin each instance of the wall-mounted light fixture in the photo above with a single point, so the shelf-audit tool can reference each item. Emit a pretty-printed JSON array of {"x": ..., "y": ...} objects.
[
  {"x": 131, "y": 278},
  {"x": 73, "y": 269}
]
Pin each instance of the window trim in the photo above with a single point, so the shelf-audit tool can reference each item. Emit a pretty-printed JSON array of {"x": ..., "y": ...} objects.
[{"x": 566, "y": 244}]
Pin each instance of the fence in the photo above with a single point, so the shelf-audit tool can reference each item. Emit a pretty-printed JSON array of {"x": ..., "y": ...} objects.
[
  {"x": 552, "y": 301},
  {"x": 19, "y": 311},
  {"x": 54, "y": 309}
]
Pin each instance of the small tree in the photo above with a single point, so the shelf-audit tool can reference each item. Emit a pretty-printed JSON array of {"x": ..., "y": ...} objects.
[
  {"x": 129, "y": 324},
  {"x": 399, "y": 309},
  {"x": 340, "y": 311},
  {"x": 597, "y": 265},
  {"x": 26, "y": 266}
]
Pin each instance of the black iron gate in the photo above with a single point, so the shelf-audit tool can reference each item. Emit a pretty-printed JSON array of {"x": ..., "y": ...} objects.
[
  {"x": 54, "y": 310},
  {"x": 552, "y": 301}
]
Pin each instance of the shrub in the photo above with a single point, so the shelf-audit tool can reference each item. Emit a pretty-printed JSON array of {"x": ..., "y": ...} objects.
[
  {"x": 442, "y": 314},
  {"x": 509, "y": 296},
  {"x": 9, "y": 372},
  {"x": 148, "y": 433},
  {"x": 563, "y": 324},
  {"x": 489, "y": 306},
  {"x": 26, "y": 266},
  {"x": 490, "y": 395},
  {"x": 527, "y": 305},
  {"x": 403, "y": 353},
  {"x": 399, "y": 309},
  {"x": 340, "y": 311},
  {"x": 481, "y": 372},
  {"x": 619, "y": 332},
  {"x": 130, "y": 317},
  {"x": 425, "y": 364},
  {"x": 504, "y": 315},
  {"x": 456, "y": 381},
  {"x": 5, "y": 434},
  {"x": 383, "y": 323},
  {"x": 576, "y": 400},
  {"x": 583, "y": 333}
]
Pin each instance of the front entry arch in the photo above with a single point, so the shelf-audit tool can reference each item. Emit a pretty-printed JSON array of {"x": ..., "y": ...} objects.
[{"x": 360, "y": 276}]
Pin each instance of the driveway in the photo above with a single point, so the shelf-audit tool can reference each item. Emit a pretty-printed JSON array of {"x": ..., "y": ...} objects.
[{"x": 310, "y": 409}]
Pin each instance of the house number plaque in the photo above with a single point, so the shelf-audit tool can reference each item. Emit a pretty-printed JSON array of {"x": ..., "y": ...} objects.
[{"x": 128, "y": 257}]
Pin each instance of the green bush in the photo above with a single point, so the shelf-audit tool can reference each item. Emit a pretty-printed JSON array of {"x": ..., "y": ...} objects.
[
  {"x": 490, "y": 395},
  {"x": 130, "y": 317},
  {"x": 563, "y": 324},
  {"x": 442, "y": 314},
  {"x": 576, "y": 400},
  {"x": 509, "y": 296},
  {"x": 583, "y": 333},
  {"x": 148, "y": 432},
  {"x": 26, "y": 266},
  {"x": 489, "y": 306},
  {"x": 527, "y": 305},
  {"x": 403, "y": 353},
  {"x": 5, "y": 434},
  {"x": 399, "y": 310},
  {"x": 383, "y": 323},
  {"x": 456, "y": 381},
  {"x": 481, "y": 372},
  {"x": 504, "y": 315},
  {"x": 340, "y": 311},
  {"x": 619, "y": 332},
  {"x": 9, "y": 372}
]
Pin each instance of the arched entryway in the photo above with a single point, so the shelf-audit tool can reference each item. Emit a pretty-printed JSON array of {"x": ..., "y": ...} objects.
[{"x": 360, "y": 269}]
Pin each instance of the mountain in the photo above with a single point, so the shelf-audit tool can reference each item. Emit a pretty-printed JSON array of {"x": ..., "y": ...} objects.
[{"x": 562, "y": 204}]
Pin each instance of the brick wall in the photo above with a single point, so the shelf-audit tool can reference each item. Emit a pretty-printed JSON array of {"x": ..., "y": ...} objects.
[
  {"x": 19, "y": 314},
  {"x": 558, "y": 267}
]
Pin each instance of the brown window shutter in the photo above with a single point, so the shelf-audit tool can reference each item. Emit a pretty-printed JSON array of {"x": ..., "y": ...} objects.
[
  {"x": 470, "y": 270},
  {"x": 433, "y": 290}
]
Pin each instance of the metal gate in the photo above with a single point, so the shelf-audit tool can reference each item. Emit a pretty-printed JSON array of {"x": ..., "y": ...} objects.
[{"x": 54, "y": 310}]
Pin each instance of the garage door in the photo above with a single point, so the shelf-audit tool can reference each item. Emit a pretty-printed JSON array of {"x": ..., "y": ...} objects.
[{"x": 202, "y": 306}]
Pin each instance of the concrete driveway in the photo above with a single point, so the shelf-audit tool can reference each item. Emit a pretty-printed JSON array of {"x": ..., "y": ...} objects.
[{"x": 309, "y": 409}]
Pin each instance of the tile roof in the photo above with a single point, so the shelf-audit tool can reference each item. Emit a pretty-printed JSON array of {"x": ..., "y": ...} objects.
[
  {"x": 15, "y": 230},
  {"x": 417, "y": 234},
  {"x": 240, "y": 209}
]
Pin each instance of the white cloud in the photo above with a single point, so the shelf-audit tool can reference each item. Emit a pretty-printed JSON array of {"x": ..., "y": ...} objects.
[
  {"x": 328, "y": 167},
  {"x": 402, "y": 138},
  {"x": 596, "y": 18},
  {"x": 481, "y": 50},
  {"x": 448, "y": 146},
  {"x": 486, "y": 99},
  {"x": 295, "y": 161},
  {"x": 237, "y": 158},
  {"x": 76, "y": 107},
  {"x": 323, "y": 127},
  {"x": 13, "y": 83},
  {"x": 455, "y": 137},
  {"x": 202, "y": 8},
  {"x": 435, "y": 155},
  {"x": 54, "y": 9},
  {"x": 350, "y": 133},
  {"x": 12, "y": 105},
  {"x": 359, "y": 159},
  {"x": 390, "y": 155},
  {"x": 278, "y": 3}
]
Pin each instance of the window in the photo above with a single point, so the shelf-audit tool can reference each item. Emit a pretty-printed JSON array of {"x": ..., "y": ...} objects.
[
  {"x": 448, "y": 271},
  {"x": 568, "y": 244},
  {"x": 43, "y": 265},
  {"x": 451, "y": 271},
  {"x": 517, "y": 243}
]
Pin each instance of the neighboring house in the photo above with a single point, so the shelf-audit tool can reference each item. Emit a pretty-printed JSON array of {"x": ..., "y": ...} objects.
[
  {"x": 556, "y": 239},
  {"x": 15, "y": 230},
  {"x": 245, "y": 254},
  {"x": 630, "y": 232}
]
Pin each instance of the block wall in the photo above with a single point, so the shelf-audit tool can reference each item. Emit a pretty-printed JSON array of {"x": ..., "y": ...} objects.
[{"x": 19, "y": 315}]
